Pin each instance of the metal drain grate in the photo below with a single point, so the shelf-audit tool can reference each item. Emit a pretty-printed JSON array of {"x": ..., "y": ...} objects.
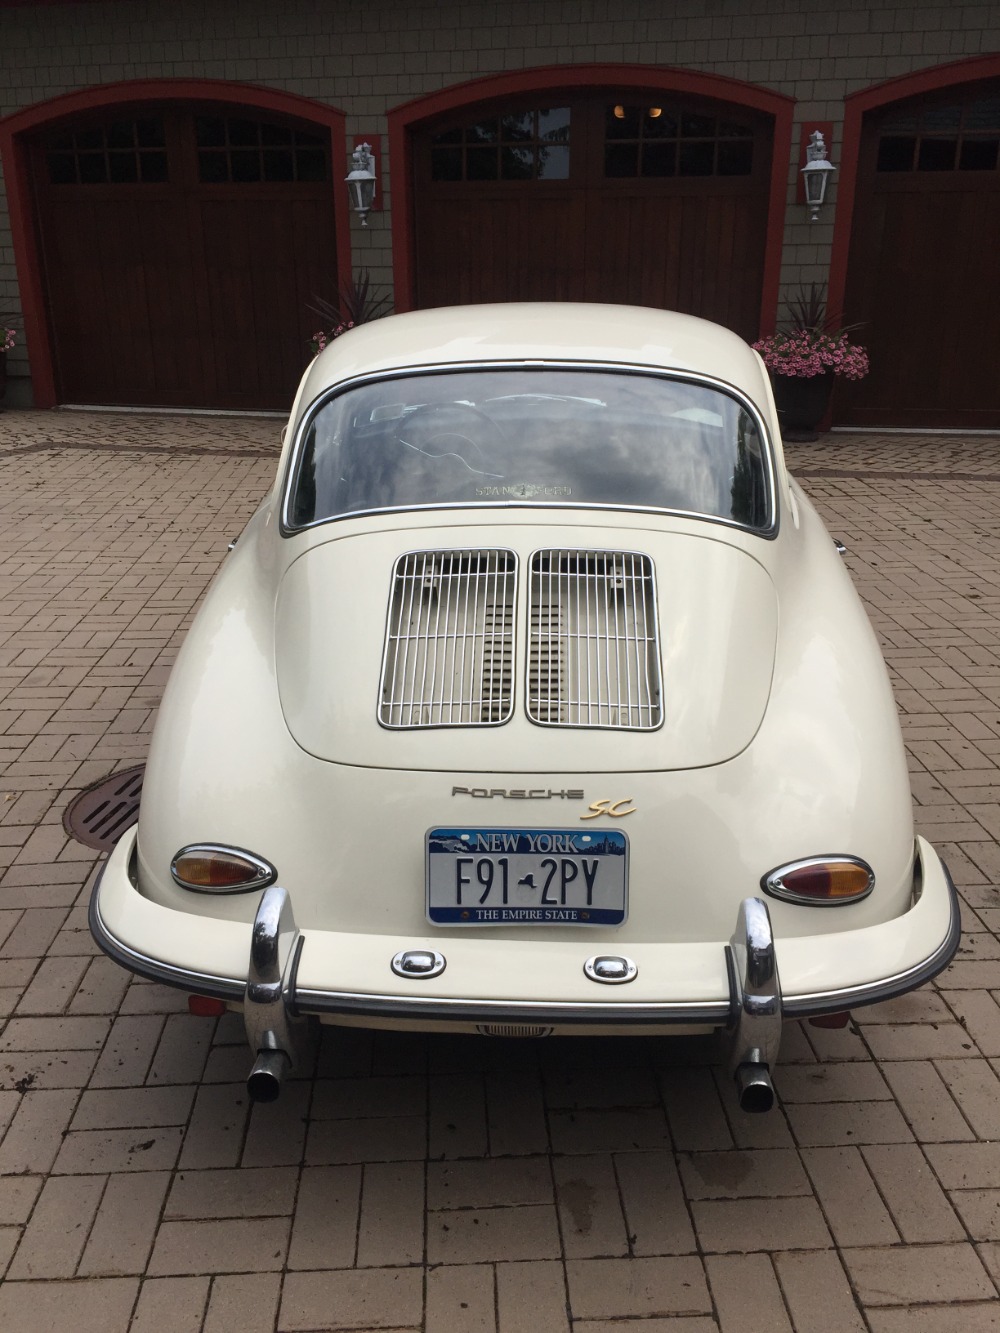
[{"x": 101, "y": 814}]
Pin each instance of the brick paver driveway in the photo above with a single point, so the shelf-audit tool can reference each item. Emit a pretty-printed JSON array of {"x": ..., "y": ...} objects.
[{"x": 467, "y": 1185}]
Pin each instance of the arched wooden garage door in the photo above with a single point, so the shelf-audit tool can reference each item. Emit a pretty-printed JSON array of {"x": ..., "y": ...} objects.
[
  {"x": 923, "y": 273},
  {"x": 180, "y": 247},
  {"x": 640, "y": 197}
]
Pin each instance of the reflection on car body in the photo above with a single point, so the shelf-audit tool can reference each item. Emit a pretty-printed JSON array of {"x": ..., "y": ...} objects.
[{"x": 534, "y": 698}]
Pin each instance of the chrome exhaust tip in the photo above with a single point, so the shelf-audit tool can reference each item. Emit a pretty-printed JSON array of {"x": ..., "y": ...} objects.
[
  {"x": 754, "y": 1089},
  {"x": 267, "y": 1075}
]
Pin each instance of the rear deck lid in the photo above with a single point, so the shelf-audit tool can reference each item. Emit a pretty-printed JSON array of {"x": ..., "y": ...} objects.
[{"x": 640, "y": 651}]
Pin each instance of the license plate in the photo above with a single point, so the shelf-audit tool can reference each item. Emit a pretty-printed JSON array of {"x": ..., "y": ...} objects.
[{"x": 526, "y": 877}]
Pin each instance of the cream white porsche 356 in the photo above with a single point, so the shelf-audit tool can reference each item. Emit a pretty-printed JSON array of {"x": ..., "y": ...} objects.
[{"x": 533, "y": 699}]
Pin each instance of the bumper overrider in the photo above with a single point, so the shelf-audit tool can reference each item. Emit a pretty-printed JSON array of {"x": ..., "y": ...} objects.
[{"x": 278, "y": 974}]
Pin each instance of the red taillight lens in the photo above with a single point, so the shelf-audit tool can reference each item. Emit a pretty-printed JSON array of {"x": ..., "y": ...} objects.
[
  {"x": 212, "y": 869},
  {"x": 821, "y": 880}
]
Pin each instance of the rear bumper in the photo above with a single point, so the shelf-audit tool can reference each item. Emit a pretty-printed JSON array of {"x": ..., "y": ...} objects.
[{"x": 685, "y": 985}]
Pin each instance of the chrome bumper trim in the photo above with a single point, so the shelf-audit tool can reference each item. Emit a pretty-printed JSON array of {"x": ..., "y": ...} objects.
[
  {"x": 875, "y": 992},
  {"x": 306, "y": 1001},
  {"x": 753, "y": 975},
  {"x": 197, "y": 983},
  {"x": 268, "y": 1005},
  {"x": 715, "y": 1013}
]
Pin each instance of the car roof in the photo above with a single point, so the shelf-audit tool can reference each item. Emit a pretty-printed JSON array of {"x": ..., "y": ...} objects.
[{"x": 539, "y": 331}]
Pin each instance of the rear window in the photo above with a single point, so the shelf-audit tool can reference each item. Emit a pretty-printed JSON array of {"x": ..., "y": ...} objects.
[{"x": 531, "y": 437}]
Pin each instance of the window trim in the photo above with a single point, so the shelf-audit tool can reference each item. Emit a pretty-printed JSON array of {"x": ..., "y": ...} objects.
[{"x": 288, "y": 482}]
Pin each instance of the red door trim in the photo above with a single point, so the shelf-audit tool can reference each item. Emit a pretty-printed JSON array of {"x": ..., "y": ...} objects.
[
  {"x": 14, "y": 154},
  {"x": 579, "y": 78},
  {"x": 856, "y": 105}
]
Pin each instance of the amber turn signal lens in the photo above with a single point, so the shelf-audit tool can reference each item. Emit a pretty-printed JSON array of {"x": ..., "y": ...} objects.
[
  {"x": 212, "y": 869},
  {"x": 821, "y": 880}
]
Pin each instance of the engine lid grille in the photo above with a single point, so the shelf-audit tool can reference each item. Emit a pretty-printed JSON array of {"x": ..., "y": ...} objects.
[
  {"x": 593, "y": 641},
  {"x": 449, "y": 647}
]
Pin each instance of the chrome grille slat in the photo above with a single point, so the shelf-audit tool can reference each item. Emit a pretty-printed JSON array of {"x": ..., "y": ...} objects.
[
  {"x": 449, "y": 647},
  {"x": 593, "y": 640}
]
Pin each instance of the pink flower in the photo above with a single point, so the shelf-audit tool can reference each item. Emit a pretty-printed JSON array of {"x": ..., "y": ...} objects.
[{"x": 805, "y": 353}]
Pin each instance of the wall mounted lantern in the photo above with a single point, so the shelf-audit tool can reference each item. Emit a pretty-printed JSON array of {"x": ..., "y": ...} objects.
[
  {"x": 361, "y": 181},
  {"x": 816, "y": 173}
]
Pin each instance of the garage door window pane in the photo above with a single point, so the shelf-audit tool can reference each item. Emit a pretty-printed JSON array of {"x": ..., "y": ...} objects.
[
  {"x": 279, "y": 165},
  {"x": 696, "y": 159},
  {"x": 516, "y": 164},
  {"x": 961, "y": 137},
  {"x": 121, "y": 134},
  {"x": 446, "y": 164},
  {"x": 622, "y": 122},
  {"x": 895, "y": 153},
  {"x": 93, "y": 169},
  {"x": 481, "y": 164},
  {"x": 936, "y": 154},
  {"x": 243, "y": 133},
  {"x": 153, "y": 167},
  {"x": 554, "y": 125},
  {"x": 659, "y": 124},
  {"x": 518, "y": 146},
  {"x": 517, "y": 127},
  {"x": 149, "y": 133},
  {"x": 275, "y": 135},
  {"x": 122, "y": 167},
  {"x": 735, "y": 157},
  {"x": 941, "y": 118},
  {"x": 210, "y": 132},
  {"x": 659, "y": 159},
  {"x": 901, "y": 122},
  {"x": 979, "y": 154},
  {"x": 553, "y": 162},
  {"x": 621, "y": 160},
  {"x": 659, "y": 141},
  {"x": 245, "y": 165},
  {"x": 213, "y": 168},
  {"x": 983, "y": 114},
  {"x": 107, "y": 154},
  {"x": 247, "y": 151}
]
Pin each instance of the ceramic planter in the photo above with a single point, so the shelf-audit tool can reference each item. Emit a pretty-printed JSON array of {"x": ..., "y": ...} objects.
[{"x": 802, "y": 402}]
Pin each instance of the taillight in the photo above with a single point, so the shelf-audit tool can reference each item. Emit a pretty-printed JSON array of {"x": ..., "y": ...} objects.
[
  {"x": 821, "y": 881},
  {"x": 209, "y": 868}
]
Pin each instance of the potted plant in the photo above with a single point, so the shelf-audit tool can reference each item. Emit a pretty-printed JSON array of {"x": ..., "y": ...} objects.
[
  {"x": 804, "y": 358},
  {"x": 6, "y": 343},
  {"x": 358, "y": 304}
]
